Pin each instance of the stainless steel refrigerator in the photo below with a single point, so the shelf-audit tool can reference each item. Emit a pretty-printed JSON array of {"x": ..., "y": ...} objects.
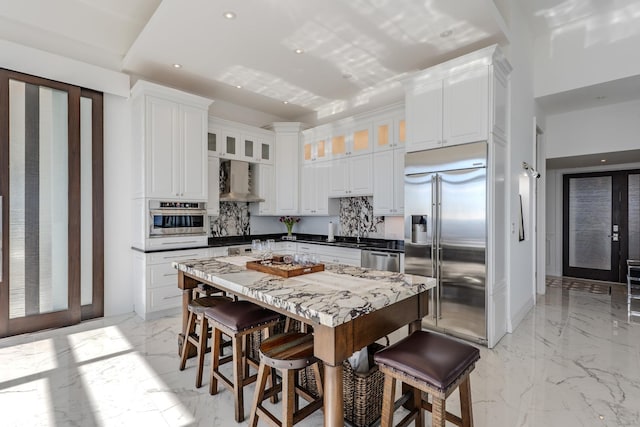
[{"x": 446, "y": 234}]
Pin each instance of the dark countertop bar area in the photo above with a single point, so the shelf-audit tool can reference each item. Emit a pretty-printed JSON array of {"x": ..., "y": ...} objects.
[{"x": 316, "y": 239}]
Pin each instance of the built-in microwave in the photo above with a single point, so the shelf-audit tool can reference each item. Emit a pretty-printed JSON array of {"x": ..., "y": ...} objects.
[{"x": 177, "y": 218}]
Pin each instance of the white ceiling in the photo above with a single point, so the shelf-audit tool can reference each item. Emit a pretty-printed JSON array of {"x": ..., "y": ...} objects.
[{"x": 356, "y": 52}]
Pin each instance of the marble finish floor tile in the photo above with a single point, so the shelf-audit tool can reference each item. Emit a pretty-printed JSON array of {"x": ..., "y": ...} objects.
[{"x": 573, "y": 361}]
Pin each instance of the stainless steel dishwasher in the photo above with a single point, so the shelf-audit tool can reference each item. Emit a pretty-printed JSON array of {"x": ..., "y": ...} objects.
[{"x": 385, "y": 261}]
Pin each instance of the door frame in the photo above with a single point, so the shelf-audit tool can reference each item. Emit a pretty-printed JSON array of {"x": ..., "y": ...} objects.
[{"x": 74, "y": 312}]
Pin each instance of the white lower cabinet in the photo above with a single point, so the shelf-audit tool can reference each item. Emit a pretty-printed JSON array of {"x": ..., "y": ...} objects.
[
  {"x": 331, "y": 254},
  {"x": 156, "y": 281}
]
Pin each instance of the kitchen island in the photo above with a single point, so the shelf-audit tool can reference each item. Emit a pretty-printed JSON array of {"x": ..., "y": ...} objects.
[{"x": 348, "y": 307}]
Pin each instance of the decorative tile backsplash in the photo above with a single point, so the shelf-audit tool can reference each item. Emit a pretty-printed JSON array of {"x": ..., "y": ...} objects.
[
  {"x": 358, "y": 212},
  {"x": 232, "y": 221}
]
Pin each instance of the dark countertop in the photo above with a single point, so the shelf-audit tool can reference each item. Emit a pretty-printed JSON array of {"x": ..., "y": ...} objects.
[{"x": 316, "y": 239}]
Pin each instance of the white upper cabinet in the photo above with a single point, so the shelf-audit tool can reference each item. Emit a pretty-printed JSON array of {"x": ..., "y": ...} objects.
[
  {"x": 424, "y": 115},
  {"x": 352, "y": 140},
  {"x": 449, "y": 111},
  {"x": 256, "y": 148},
  {"x": 389, "y": 133},
  {"x": 169, "y": 143},
  {"x": 388, "y": 182},
  {"x": 351, "y": 177},
  {"x": 264, "y": 183},
  {"x": 314, "y": 190},
  {"x": 465, "y": 107},
  {"x": 213, "y": 202},
  {"x": 193, "y": 162},
  {"x": 316, "y": 145},
  {"x": 287, "y": 159},
  {"x": 236, "y": 141}
]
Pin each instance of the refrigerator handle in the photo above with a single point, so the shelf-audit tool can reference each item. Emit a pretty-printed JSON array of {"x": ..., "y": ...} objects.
[
  {"x": 439, "y": 246},
  {"x": 433, "y": 310}
]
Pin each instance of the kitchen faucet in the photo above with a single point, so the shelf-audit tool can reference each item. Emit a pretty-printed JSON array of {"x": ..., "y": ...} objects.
[{"x": 358, "y": 229}]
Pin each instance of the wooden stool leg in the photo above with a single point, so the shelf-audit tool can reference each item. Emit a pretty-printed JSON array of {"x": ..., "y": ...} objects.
[
  {"x": 388, "y": 397},
  {"x": 238, "y": 377},
  {"x": 466, "y": 411},
  {"x": 215, "y": 360},
  {"x": 245, "y": 353},
  {"x": 288, "y": 397},
  {"x": 202, "y": 348},
  {"x": 263, "y": 374},
  {"x": 273, "y": 380},
  {"x": 438, "y": 412},
  {"x": 191, "y": 327},
  {"x": 318, "y": 374},
  {"x": 417, "y": 403}
]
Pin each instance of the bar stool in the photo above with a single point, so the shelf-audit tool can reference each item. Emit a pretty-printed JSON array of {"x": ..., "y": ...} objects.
[
  {"x": 198, "y": 340},
  {"x": 205, "y": 290},
  {"x": 236, "y": 320},
  {"x": 429, "y": 363},
  {"x": 289, "y": 353}
]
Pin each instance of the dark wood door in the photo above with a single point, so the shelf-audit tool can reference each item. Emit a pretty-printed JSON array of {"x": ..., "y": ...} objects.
[
  {"x": 596, "y": 225},
  {"x": 40, "y": 189}
]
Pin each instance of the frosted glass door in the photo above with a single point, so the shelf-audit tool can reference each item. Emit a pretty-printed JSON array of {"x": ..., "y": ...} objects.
[
  {"x": 634, "y": 216},
  {"x": 38, "y": 200},
  {"x": 590, "y": 222}
]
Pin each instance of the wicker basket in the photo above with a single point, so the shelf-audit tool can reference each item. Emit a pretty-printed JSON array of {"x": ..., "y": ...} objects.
[{"x": 362, "y": 392}]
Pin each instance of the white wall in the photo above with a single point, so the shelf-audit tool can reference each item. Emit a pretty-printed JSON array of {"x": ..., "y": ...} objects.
[
  {"x": 579, "y": 52},
  {"x": 118, "y": 285},
  {"x": 521, "y": 148},
  {"x": 604, "y": 129}
]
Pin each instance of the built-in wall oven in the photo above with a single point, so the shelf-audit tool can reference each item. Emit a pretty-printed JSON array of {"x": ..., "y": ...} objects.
[{"x": 168, "y": 219}]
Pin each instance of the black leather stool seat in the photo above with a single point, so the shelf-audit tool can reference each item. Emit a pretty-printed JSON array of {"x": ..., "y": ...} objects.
[
  {"x": 199, "y": 305},
  {"x": 241, "y": 315},
  {"x": 429, "y": 357}
]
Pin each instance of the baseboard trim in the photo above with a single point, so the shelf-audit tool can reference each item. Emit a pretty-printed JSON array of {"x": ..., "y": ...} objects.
[{"x": 520, "y": 315}]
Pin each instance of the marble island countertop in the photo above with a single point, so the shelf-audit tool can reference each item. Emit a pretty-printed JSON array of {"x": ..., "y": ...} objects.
[{"x": 331, "y": 297}]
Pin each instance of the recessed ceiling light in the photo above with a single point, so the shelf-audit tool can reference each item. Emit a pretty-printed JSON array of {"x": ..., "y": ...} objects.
[
  {"x": 285, "y": 102},
  {"x": 446, "y": 33},
  {"x": 229, "y": 15},
  {"x": 177, "y": 65},
  {"x": 239, "y": 86},
  {"x": 299, "y": 51},
  {"x": 603, "y": 161},
  {"x": 347, "y": 76}
]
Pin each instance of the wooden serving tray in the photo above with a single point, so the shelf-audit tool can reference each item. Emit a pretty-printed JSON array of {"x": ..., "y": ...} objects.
[{"x": 281, "y": 269}]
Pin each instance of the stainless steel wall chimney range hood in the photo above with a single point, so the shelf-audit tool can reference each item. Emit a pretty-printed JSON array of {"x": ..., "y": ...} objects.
[{"x": 235, "y": 178}]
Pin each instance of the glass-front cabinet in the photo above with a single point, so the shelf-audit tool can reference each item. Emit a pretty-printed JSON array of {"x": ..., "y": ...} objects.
[
  {"x": 389, "y": 133},
  {"x": 316, "y": 146},
  {"x": 239, "y": 145},
  {"x": 257, "y": 148},
  {"x": 351, "y": 140}
]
